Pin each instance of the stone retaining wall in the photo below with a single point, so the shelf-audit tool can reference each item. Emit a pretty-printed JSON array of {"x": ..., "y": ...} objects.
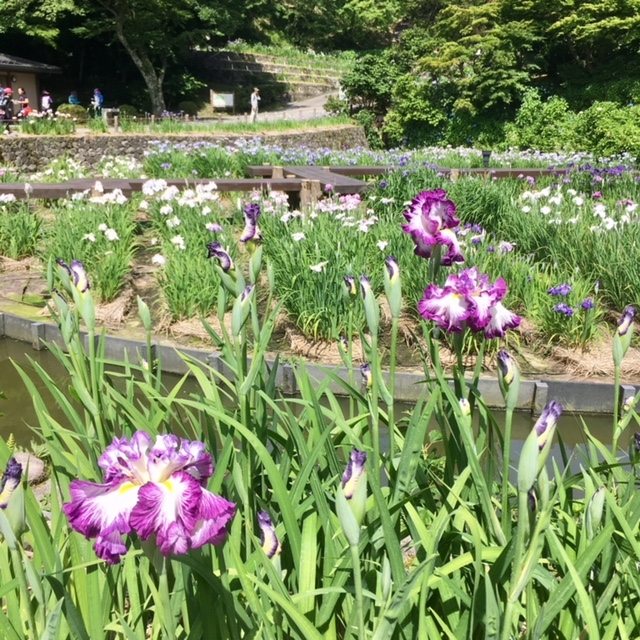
[{"x": 32, "y": 153}]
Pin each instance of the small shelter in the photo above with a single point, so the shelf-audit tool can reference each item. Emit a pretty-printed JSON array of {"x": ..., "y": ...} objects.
[{"x": 18, "y": 72}]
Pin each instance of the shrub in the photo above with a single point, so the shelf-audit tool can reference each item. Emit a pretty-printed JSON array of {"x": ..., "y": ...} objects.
[
  {"x": 76, "y": 111},
  {"x": 608, "y": 129},
  {"x": 128, "y": 111},
  {"x": 188, "y": 107},
  {"x": 544, "y": 125}
]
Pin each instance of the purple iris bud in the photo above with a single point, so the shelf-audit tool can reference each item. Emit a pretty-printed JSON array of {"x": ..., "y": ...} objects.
[
  {"x": 353, "y": 472},
  {"x": 384, "y": 184},
  {"x": 10, "y": 481},
  {"x": 77, "y": 273},
  {"x": 351, "y": 285},
  {"x": 507, "y": 366},
  {"x": 564, "y": 308},
  {"x": 626, "y": 321},
  {"x": 151, "y": 488},
  {"x": 216, "y": 250},
  {"x": 251, "y": 230},
  {"x": 344, "y": 342},
  {"x": 365, "y": 286},
  {"x": 268, "y": 538},
  {"x": 367, "y": 376},
  {"x": 587, "y": 304},
  {"x": 597, "y": 195},
  {"x": 532, "y": 500},
  {"x": 636, "y": 441},
  {"x": 393, "y": 269},
  {"x": 546, "y": 423}
]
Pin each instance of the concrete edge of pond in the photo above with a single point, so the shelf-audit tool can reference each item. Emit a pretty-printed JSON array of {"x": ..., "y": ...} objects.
[{"x": 575, "y": 396}]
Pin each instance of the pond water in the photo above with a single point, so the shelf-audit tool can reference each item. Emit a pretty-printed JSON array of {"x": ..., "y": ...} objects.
[{"x": 19, "y": 416}]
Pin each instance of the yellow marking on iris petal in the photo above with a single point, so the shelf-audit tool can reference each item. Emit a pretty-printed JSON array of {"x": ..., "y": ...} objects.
[
  {"x": 127, "y": 486},
  {"x": 167, "y": 483}
]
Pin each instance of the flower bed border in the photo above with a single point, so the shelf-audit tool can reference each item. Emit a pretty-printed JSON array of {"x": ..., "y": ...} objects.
[{"x": 575, "y": 396}]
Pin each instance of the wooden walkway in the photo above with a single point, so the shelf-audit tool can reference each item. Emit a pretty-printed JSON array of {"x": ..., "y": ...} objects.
[{"x": 305, "y": 183}]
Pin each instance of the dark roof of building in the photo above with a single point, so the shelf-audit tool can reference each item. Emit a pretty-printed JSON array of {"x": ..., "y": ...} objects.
[{"x": 13, "y": 63}]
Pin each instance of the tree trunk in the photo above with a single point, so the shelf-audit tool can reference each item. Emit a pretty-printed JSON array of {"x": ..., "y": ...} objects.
[{"x": 153, "y": 78}]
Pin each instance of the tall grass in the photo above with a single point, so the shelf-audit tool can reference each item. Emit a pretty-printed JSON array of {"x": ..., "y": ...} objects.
[{"x": 430, "y": 546}]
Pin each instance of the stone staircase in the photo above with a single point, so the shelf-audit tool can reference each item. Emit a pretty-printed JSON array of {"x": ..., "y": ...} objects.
[{"x": 293, "y": 82}]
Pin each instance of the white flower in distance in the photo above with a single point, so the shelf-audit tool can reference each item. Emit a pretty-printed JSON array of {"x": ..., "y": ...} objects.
[
  {"x": 319, "y": 267},
  {"x": 159, "y": 260},
  {"x": 298, "y": 236},
  {"x": 178, "y": 242},
  {"x": 545, "y": 211},
  {"x": 382, "y": 245},
  {"x": 102, "y": 227},
  {"x": 166, "y": 209},
  {"x": 89, "y": 236},
  {"x": 173, "y": 222},
  {"x": 112, "y": 235},
  {"x": 7, "y": 197},
  {"x": 154, "y": 241},
  {"x": 144, "y": 205}
]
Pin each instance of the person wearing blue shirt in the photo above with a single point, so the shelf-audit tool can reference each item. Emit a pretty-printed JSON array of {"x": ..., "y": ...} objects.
[{"x": 96, "y": 102}]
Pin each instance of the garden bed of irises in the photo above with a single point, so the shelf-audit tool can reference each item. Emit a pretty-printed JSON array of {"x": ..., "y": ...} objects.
[
  {"x": 235, "y": 512},
  {"x": 565, "y": 244}
]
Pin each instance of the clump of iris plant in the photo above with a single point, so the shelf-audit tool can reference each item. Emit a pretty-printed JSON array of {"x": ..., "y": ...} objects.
[
  {"x": 468, "y": 299},
  {"x": 431, "y": 221},
  {"x": 151, "y": 489}
]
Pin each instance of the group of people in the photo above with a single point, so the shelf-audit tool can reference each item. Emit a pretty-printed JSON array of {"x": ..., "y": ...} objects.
[
  {"x": 16, "y": 107},
  {"x": 97, "y": 100},
  {"x": 11, "y": 107}
]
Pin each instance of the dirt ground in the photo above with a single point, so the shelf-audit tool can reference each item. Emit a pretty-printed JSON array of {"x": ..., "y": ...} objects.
[{"x": 23, "y": 291}]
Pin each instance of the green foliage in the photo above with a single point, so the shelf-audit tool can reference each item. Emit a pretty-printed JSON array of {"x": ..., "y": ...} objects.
[
  {"x": 548, "y": 125},
  {"x": 75, "y": 111},
  {"x": 370, "y": 84},
  {"x": 20, "y": 230},
  {"x": 58, "y": 125},
  {"x": 190, "y": 108},
  {"x": 607, "y": 129},
  {"x": 128, "y": 111}
]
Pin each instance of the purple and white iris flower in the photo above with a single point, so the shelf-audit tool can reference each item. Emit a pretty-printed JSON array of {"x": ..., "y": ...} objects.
[
  {"x": 216, "y": 250},
  {"x": 77, "y": 274},
  {"x": 431, "y": 221},
  {"x": 152, "y": 489},
  {"x": 251, "y": 230},
  {"x": 468, "y": 299}
]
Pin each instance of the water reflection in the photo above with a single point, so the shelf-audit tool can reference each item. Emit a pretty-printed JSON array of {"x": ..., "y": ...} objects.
[{"x": 19, "y": 414}]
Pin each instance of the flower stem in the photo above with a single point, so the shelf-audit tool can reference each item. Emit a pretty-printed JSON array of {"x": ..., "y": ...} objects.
[
  {"x": 25, "y": 599},
  {"x": 357, "y": 583},
  {"x": 616, "y": 409},
  {"x": 165, "y": 598},
  {"x": 506, "y": 461},
  {"x": 516, "y": 566},
  {"x": 392, "y": 387}
]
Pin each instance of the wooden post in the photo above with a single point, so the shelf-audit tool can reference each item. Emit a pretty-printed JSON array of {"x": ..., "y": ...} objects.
[
  {"x": 277, "y": 172},
  {"x": 153, "y": 120},
  {"x": 186, "y": 117},
  {"x": 309, "y": 194},
  {"x": 454, "y": 175},
  {"x": 115, "y": 123}
]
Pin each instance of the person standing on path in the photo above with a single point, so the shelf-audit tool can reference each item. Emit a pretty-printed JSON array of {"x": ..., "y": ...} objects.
[{"x": 255, "y": 100}]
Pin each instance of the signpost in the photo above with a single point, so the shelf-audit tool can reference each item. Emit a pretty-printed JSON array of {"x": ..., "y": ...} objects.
[{"x": 223, "y": 101}]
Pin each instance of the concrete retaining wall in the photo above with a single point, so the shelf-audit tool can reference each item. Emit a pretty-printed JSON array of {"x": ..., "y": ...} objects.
[
  {"x": 32, "y": 153},
  {"x": 582, "y": 397}
]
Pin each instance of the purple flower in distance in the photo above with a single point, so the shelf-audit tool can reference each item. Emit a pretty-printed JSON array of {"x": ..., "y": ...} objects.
[
  {"x": 151, "y": 489},
  {"x": 77, "y": 273},
  {"x": 393, "y": 269},
  {"x": 216, "y": 250},
  {"x": 563, "y": 308},
  {"x": 431, "y": 221},
  {"x": 251, "y": 230},
  {"x": 587, "y": 304},
  {"x": 561, "y": 290},
  {"x": 10, "y": 481},
  {"x": 268, "y": 538}
]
